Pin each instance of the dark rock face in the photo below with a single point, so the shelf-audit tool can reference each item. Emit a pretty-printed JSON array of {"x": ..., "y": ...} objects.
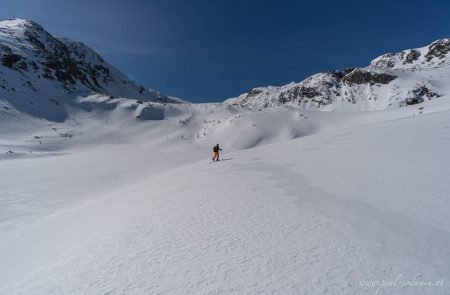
[
  {"x": 420, "y": 94},
  {"x": 289, "y": 95},
  {"x": 424, "y": 91},
  {"x": 359, "y": 76},
  {"x": 338, "y": 74},
  {"x": 8, "y": 60},
  {"x": 254, "y": 92},
  {"x": 414, "y": 100},
  {"x": 438, "y": 49},
  {"x": 303, "y": 94},
  {"x": 298, "y": 92},
  {"x": 93, "y": 73},
  {"x": 308, "y": 92},
  {"x": 251, "y": 94},
  {"x": 70, "y": 63},
  {"x": 410, "y": 57},
  {"x": 59, "y": 62}
]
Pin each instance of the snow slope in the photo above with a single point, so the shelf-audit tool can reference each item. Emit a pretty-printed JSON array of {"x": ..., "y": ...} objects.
[
  {"x": 359, "y": 197},
  {"x": 106, "y": 190},
  {"x": 390, "y": 81},
  {"x": 43, "y": 76}
]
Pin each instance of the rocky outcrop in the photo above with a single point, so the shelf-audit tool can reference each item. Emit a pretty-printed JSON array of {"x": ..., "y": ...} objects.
[
  {"x": 434, "y": 55},
  {"x": 35, "y": 54},
  {"x": 438, "y": 49},
  {"x": 394, "y": 79},
  {"x": 317, "y": 91},
  {"x": 419, "y": 95},
  {"x": 65, "y": 63},
  {"x": 360, "y": 76},
  {"x": 9, "y": 60},
  {"x": 410, "y": 56}
]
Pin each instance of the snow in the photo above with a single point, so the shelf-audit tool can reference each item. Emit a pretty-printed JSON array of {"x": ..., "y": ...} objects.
[
  {"x": 422, "y": 60},
  {"x": 325, "y": 203},
  {"x": 52, "y": 73},
  {"x": 116, "y": 193},
  {"x": 331, "y": 91}
]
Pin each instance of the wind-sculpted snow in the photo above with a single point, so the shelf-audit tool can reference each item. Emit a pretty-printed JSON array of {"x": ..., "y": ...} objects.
[
  {"x": 105, "y": 193},
  {"x": 358, "y": 206}
]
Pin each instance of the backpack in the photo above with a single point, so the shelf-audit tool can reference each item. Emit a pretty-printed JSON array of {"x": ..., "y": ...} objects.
[{"x": 215, "y": 149}]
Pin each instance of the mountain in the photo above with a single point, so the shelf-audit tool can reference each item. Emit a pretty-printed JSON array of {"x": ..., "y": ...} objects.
[
  {"x": 97, "y": 197},
  {"x": 391, "y": 80},
  {"x": 48, "y": 77},
  {"x": 41, "y": 75},
  {"x": 143, "y": 210}
]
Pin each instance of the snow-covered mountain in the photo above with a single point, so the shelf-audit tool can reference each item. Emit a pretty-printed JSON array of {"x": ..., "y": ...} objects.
[
  {"x": 41, "y": 74},
  {"x": 94, "y": 201},
  {"x": 50, "y": 78},
  {"x": 391, "y": 80}
]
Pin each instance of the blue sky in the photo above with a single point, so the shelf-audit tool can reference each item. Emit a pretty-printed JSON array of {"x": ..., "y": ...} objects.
[{"x": 203, "y": 50}]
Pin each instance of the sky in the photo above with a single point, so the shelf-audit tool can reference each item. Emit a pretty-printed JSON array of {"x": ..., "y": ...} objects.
[{"x": 210, "y": 50}]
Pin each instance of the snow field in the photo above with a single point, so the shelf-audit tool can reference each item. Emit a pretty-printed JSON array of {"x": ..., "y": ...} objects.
[{"x": 357, "y": 201}]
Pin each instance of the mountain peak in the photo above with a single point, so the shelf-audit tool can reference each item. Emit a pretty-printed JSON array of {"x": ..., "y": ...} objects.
[
  {"x": 431, "y": 56},
  {"x": 391, "y": 80},
  {"x": 41, "y": 74},
  {"x": 20, "y": 24}
]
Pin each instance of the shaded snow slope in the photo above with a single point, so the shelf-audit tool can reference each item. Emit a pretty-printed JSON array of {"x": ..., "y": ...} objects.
[
  {"x": 105, "y": 191},
  {"x": 42, "y": 75},
  {"x": 99, "y": 119},
  {"x": 360, "y": 197},
  {"x": 392, "y": 80}
]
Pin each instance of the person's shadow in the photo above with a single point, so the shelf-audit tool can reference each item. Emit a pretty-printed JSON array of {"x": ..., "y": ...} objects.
[{"x": 227, "y": 159}]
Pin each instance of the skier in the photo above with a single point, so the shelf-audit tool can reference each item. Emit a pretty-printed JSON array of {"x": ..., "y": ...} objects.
[{"x": 216, "y": 150}]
